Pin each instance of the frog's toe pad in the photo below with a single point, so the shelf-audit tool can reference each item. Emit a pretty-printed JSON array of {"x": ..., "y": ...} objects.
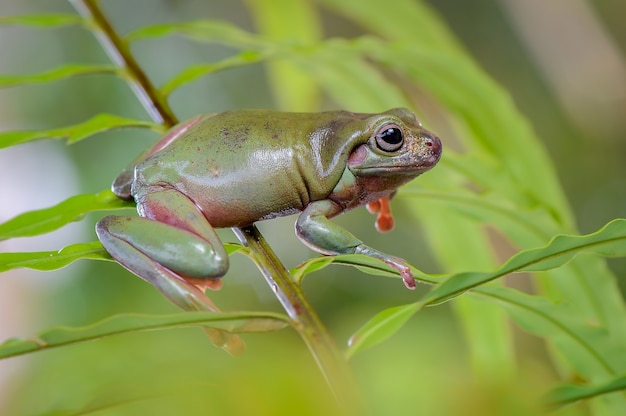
[{"x": 204, "y": 284}]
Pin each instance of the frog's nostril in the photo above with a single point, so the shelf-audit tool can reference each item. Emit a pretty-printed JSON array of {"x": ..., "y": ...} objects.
[
  {"x": 432, "y": 147},
  {"x": 428, "y": 149},
  {"x": 434, "y": 143}
]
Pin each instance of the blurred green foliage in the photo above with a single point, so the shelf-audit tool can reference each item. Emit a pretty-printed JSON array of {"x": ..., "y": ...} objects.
[{"x": 496, "y": 192}]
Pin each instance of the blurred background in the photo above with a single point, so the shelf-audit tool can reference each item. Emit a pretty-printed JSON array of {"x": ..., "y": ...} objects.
[{"x": 562, "y": 62}]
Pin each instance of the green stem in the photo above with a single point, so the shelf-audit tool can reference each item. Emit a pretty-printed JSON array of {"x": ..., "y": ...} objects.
[
  {"x": 117, "y": 49},
  {"x": 304, "y": 318},
  {"x": 308, "y": 324}
]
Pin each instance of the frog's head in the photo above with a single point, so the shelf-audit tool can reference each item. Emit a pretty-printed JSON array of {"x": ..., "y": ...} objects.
[{"x": 397, "y": 149}]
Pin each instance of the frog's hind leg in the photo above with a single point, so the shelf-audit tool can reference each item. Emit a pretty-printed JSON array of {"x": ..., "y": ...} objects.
[
  {"x": 171, "y": 240},
  {"x": 135, "y": 252},
  {"x": 173, "y": 248}
]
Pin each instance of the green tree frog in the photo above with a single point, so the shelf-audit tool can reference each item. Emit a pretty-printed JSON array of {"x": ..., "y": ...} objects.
[{"x": 235, "y": 168}]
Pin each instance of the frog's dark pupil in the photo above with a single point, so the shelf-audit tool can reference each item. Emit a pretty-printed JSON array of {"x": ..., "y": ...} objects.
[{"x": 391, "y": 136}]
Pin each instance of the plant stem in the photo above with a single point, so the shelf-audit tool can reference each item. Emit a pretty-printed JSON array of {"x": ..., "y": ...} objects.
[
  {"x": 304, "y": 318},
  {"x": 117, "y": 49}
]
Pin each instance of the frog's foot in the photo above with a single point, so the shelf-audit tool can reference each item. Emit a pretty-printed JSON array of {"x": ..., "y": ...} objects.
[
  {"x": 384, "y": 219},
  {"x": 397, "y": 263},
  {"x": 204, "y": 284},
  {"x": 405, "y": 271},
  {"x": 323, "y": 236}
]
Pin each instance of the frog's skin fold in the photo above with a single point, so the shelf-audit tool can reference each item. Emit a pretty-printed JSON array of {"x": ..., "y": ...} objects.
[{"x": 235, "y": 168}]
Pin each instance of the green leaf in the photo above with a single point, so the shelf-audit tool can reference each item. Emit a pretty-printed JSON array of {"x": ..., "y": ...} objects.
[
  {"x": 362, "y": 262},
  {"x": 381, "y": 327},
  {"x": 236, "y": 248},
  {"x": 455, "y": 80},
  {"x": 609, "y": 241},
  {"x": 123, "y": 398},
  {"x": 377, "y": 267},
  {"x": 49, "y": 219},
  {"x": 194, "y": 72},
  {"x": 588, "y": 347},
  {"x": 350, "y": 79},
  {"x": 201, "y": 30},
  {"x": 42, "y": 20},
  {"x": 290, "y": 22},
  {"x": 64, "y": 71},
  {"x": 77, "y": 132},
  {"x": 570, "y": 393},
  {"x": 234, "y": 322},
  {"x": 522, "y": 224},
  {"x": 52, "y": 260},
  {"x": 309, "y": 266},
  {"x": 412, "y": 20}
]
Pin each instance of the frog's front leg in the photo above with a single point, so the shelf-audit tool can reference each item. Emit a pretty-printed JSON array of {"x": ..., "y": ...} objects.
[{"x": 316, "y": 231}]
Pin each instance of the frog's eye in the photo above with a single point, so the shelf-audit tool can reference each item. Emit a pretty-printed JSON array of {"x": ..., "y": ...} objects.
[{"x": 389, "y": 138}]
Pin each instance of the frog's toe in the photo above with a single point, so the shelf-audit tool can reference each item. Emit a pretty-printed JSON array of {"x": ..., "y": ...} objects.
[{"x": 204, "y": 284}]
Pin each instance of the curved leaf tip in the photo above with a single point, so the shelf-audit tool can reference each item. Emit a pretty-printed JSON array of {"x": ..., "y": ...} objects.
[{"x": 381, "y": 327}]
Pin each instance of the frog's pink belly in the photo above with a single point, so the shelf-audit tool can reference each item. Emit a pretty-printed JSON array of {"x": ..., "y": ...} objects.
[
  {"x": 235, "y": 194},
  {"x": 249, "y": 204}
]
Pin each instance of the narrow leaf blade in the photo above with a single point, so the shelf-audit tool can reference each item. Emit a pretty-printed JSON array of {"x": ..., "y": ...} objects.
[
  {"x": 609, "y": 241},
  {"x": 42, "y": 20},
  {"x": 58, "y": 73},
  {"x": 363, "y": 263},
  {"x": 77, "y": 132},
  {"x": 570, "y": 393},
  {"x": 309, "y": 266},
  {"x": 381, "y": 327},
  {"x": 290, "y": 22},
  {"x": 49, "y": 219},
  {"x": 589, "y": 348},
  {"x": 200, "y": 30},
  {"x": 53, "y": 260},
  {"x": 235, "y": 322},
  {"x": 377, "y": 267},
  {"x": 195, "y": 72}
]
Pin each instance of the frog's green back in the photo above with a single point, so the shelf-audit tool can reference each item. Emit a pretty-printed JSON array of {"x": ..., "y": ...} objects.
[
  {"x": 122, "y": 185},
  {"x": 319, "y": 143},
  {"x": 260, "y": 163}
]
